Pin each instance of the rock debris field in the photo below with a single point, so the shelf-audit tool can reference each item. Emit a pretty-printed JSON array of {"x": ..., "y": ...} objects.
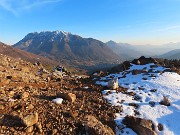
[{"x": 41, "y": 103}]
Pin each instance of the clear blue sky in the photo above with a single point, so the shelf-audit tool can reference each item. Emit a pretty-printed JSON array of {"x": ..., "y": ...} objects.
[{"x": 131, "y": 21}]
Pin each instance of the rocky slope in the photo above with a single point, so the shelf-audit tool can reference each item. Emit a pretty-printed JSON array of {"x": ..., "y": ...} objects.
[
  {"x": 69, "y": 48},
  {"x": 36, "y": 101},
  {"x": 20, "y": 54},
  {"x": 27, "y": 107},
  {"x": 150, "y": 99}
]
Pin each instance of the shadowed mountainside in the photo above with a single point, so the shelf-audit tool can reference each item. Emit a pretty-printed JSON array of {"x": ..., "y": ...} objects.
[
  {"x": 174, "y": 54},
  {"x": 69, "y": 48},
  {"x": 20, "y": 54}
]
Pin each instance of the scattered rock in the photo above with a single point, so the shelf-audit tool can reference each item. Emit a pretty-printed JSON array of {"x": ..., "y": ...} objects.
[
  {"x": 167, "y": 70},
  {"x": 160, "y": 127},
  {"x": 140, "y": 126},
  {"x": 95, "y": 127},
  {"x": 153, "y": 66},
  {"x": 136, "y": 97},
  {"x": 1, "y": 121},
  {"x": 30, "y": 107},
  {"x": 54, "y": 131},
  {"x": 113, "y": 84},
  {"x": 1, "y": 107},
  {"x": 131, "y": 93},
  {"x": 134, "y": 104},
  {"x": 140, "y": 88},
  {"x": 9, "y": 77},
  {"x": 68, "y": 96},
  {"x": 136, "y": 72},
  {"x": 25, "y": 95},
  {"x": 11, "y": 93},
  {"x": 152, "y": 103},
  {"x": 153, "y": 90},
  {"x": 30, "y": 120},
  {"x": 165, "y": 101},
  {"x": 39, "y": 127},
  {"x": 74, "y": 114},
  {"x": 29, "y": 129}
]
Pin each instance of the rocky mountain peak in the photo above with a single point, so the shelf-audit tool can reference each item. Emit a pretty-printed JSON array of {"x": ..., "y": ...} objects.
[
  {"x": 71, "y": 48},
  {"x": 45, "y": 34}
]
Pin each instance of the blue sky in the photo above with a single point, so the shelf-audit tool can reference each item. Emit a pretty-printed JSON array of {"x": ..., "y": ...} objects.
[{"x": 130, "y": 21}]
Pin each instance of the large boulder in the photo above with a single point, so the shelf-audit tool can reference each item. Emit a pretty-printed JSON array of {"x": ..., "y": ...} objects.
[
  {"x": 140, "y": 126},
  {"x": 95, "y": 127}
]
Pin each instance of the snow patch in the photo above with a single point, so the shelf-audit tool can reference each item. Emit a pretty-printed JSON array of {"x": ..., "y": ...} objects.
[
  {"x": 57, "y": 100},
  {"x": 149, "y": 86}
]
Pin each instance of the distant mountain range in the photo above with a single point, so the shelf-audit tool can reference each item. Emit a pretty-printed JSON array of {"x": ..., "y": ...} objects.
[
  {"x": 124, "y": 50},
  {"x": 69, "y": 48},
  {"x": 88, "y": 53},
  {"x": 174, "y": 54},
  {"x": 156, "y": 50},
  {"x": 133, "y": 51}
]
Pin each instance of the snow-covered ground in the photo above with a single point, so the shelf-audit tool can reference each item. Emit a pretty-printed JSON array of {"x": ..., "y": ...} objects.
[{"x": 149, "y": 86}]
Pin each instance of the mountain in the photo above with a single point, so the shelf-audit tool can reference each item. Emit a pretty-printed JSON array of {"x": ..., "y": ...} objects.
[
  {"x": 147, "y": 50},
  {"x": 152, "y": 50},
  {"x": 174, "y": 54},
  {"x": 124, "y": 50},
  {"x": 20, "y": 54},
  {"x": 69, "y": 48}
]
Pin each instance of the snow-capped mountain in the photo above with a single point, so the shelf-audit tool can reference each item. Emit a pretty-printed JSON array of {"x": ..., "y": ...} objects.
[{"x": 67, "y": 47}]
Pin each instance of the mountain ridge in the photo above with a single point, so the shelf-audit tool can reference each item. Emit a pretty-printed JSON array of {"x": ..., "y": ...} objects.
[
  {"x": 174, "y": 54},
  {"x": 20, "y": 54},
  {"x": 70, "y": 48},
  {"x": 124, "y": 49},
  {"x": 145, "y": 50}
]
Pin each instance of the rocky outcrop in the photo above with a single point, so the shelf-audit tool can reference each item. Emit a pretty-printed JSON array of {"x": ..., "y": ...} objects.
[
  {"x": 143, "y": 60},
  {"x": 140, "y": 126}
]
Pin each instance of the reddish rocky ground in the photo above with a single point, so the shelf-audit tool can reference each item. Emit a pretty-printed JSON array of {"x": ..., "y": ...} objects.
[{"x": 26, "y": 105}]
